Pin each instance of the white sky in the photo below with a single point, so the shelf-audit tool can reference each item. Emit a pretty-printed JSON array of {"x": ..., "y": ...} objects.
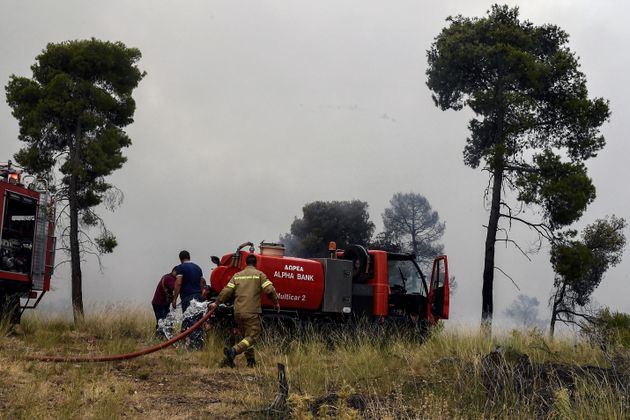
[{"x": 252, "y": 108}]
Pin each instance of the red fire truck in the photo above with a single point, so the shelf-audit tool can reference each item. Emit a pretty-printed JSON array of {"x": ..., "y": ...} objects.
[
  {"x": 353, "y": 282},
  {"x": 27, "y": 242}
]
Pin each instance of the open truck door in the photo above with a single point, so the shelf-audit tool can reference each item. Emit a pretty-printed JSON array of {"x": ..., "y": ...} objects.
[{"x": 439, "y": 292}]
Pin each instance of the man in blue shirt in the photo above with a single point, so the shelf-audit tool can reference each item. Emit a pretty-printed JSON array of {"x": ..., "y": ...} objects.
[{"x": 188, "y": 284}]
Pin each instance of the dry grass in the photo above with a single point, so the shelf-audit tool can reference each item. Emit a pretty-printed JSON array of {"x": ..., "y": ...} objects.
[{"x": 365, "y": 373}]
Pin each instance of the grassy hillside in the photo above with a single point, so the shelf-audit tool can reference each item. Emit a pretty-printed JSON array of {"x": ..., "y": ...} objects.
[{"x": 366, "y": 374}]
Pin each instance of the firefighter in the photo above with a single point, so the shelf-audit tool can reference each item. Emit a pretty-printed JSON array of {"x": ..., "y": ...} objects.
[{"x": 246, "y": 286}]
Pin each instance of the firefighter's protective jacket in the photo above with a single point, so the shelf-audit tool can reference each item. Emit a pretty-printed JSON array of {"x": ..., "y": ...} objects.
[{"x": 246, "y": 285}]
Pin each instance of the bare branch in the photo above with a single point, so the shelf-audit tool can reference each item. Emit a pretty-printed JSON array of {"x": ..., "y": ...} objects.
[
  {"x": 541, "y": 228},
  {"x": 94, "y": 254},
  {"x": 61, "y": 263},
  {"x": 60, "y": 213},
  {"x": 572, "y": 313},
  {"x": 504, "y": 204},
  {"x": 507, "y": 240},
  {"x": 509, "y": 277},
  {"x": 567, "y": 321},
  {"x": 504, "y": 230}
]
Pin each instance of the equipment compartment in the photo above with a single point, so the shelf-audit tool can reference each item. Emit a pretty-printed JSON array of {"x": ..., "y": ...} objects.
[{"x": 337, "y": 286}]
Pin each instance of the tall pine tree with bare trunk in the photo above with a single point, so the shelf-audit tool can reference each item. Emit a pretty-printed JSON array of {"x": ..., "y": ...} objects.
[
  {"x": 534, "y": 124},
  {"x": 71, "y": 115}
]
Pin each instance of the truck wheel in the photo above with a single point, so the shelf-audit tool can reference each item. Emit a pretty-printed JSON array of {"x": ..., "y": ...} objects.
[
  {"x": 10, "y": 308},
  {"x": 359, "y": 257}
]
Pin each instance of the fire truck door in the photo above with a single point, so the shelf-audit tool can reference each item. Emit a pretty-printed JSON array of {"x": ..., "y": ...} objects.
[
  {"x": 18, "y": 229},
  {"x": 439, "y": 291}
]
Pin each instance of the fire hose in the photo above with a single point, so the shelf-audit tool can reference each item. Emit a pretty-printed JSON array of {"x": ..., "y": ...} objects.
[{"x": 124, "y": 356}]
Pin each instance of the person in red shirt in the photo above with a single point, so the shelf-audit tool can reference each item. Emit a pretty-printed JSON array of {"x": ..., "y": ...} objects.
[{"x": 162, "y": 298}]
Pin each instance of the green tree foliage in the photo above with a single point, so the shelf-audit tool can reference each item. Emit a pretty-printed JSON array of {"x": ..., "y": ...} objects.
[
  {"x": 534, "y": 124},
  {"x": 610, "y": 329},
  {"x": 344, "y": 222},
  {"x": 415, "y": 226},
  {"x": 71, "y": 115},
  {"x": 580, "y": 266}
]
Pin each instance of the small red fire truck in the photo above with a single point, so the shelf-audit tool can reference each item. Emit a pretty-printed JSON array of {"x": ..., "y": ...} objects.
[{"x": 353, "y": 282}]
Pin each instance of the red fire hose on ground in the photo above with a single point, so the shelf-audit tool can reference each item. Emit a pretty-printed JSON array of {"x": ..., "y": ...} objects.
[{"x": 112, "y": 357}]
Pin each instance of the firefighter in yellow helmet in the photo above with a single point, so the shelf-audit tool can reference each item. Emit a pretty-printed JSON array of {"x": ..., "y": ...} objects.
[{"x": 246, "y": 286}]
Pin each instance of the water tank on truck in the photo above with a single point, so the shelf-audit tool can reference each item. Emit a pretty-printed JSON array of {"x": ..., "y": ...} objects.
[{"x": 304, "y": 286}]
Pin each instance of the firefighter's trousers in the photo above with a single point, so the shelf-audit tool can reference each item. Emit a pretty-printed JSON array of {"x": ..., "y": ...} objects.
[{"x": 250, "y": 328}]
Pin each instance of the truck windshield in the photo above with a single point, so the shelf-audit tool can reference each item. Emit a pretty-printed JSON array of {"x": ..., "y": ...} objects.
[
  {"x": 18, "y": 230},
  {"x": 404, "y": 277}
]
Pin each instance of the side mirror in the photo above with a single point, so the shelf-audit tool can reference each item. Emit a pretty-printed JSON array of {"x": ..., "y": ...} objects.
[{"x": 215, "y": 260}]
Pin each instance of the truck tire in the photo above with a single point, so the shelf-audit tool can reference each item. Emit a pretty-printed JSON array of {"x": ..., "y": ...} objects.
[
  {"x": 10, "y": 307},
  {"x": 359, "y": 257}
]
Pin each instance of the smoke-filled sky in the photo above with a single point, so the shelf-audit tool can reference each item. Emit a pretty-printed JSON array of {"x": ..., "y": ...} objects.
[{"x": 251, "y": 109}]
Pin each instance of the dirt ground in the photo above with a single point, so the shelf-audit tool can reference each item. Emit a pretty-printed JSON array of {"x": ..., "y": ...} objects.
[
  {"x": 170, "y": 384},
  {"x": 448, "y": 376}
]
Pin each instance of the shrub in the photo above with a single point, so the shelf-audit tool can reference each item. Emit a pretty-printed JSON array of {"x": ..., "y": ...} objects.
[{"x": 610, "y": 329}]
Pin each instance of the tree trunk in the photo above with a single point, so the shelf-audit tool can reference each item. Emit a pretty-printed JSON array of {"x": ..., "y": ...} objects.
[
  {"x": 558, "y": 298},
  {"x": 491, "y": 236},
  {"x": 75, "y": 252},
  {"x": 414, "y": 238},
  {"x": 554, "y": 314}
]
